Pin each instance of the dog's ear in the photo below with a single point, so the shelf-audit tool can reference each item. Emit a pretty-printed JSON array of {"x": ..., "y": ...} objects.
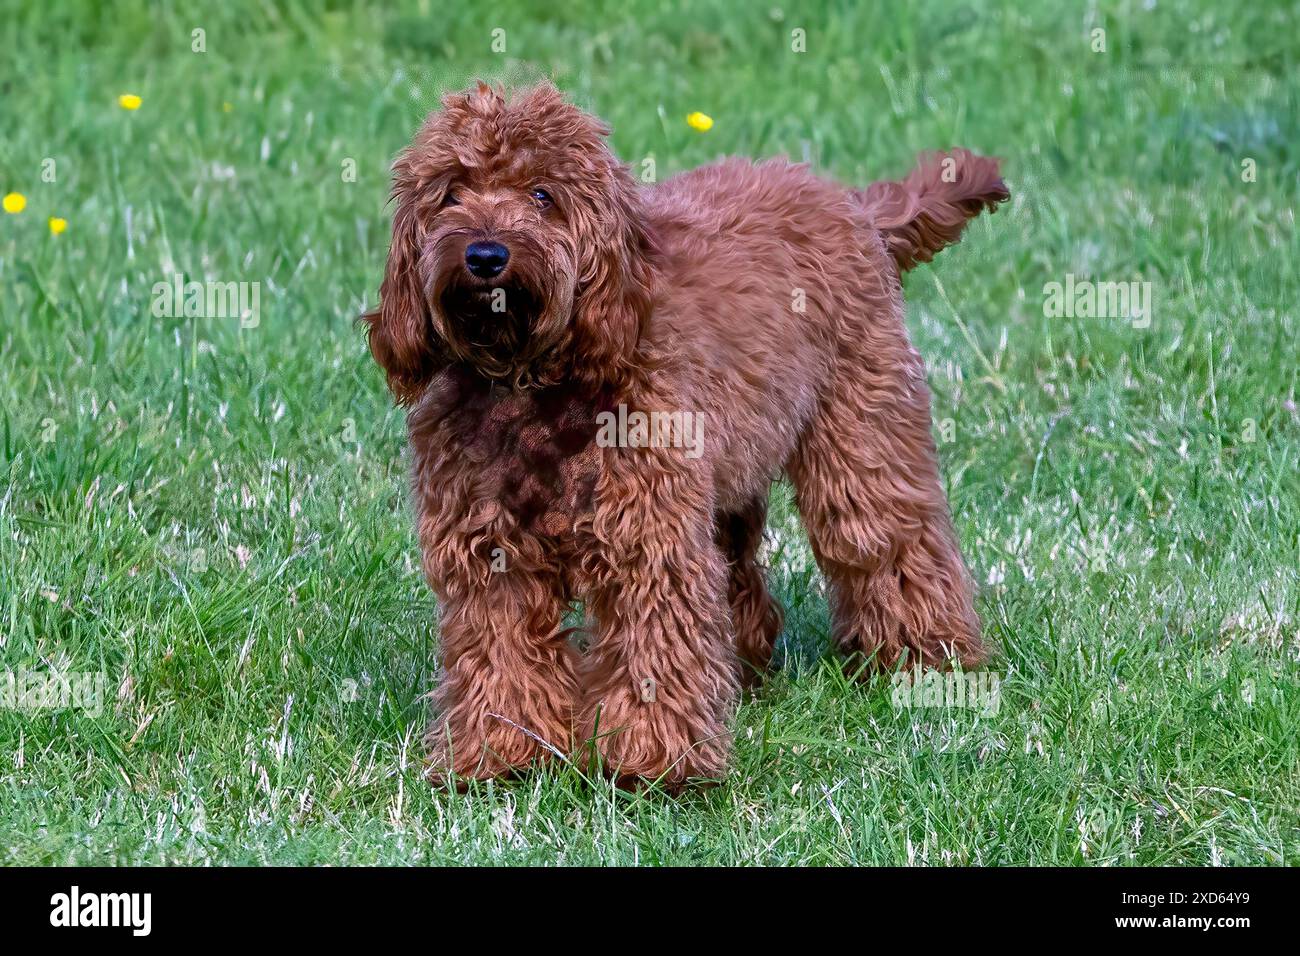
[
  {"x": 400, "y": 329},
  {"x": 615, "y": 287}
]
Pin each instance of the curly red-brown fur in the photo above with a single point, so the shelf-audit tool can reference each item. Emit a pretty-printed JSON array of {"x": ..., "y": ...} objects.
[
  {"x": 929, "y": 209},
  {"x": 758, "y": 296}
]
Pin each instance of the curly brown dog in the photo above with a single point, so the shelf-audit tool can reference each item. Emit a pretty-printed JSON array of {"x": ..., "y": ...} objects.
[{"x": 602, "y": 382}]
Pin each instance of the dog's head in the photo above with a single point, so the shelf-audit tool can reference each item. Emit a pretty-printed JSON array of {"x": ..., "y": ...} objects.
[{"x": 519, "y": 247}]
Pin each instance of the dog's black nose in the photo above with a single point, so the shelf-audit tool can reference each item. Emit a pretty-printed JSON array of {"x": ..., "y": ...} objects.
[{"x": 486, "y": 259}]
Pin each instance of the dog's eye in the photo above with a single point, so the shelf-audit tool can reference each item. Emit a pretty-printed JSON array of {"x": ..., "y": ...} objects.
[
  {"x": 542, "y": 198},
  {"x": 450, "y": 199}
]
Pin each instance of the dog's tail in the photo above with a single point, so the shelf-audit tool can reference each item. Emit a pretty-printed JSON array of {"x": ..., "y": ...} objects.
[{"x": 928, "y": 210}]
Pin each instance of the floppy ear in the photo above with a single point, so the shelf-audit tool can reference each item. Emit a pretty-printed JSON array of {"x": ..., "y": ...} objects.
[
  {"x": 615, "y": 287},
  {"x": 400, "y": 329}
]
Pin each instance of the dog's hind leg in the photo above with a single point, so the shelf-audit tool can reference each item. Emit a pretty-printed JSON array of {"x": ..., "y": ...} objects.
[
  {"x": 756, "y": 616},
  {"x": 867, "y": 482}
]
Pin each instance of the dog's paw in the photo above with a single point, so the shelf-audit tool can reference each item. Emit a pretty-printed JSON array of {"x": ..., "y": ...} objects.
[
  {"x": 498, "y": 748},
  {"x": 638, "y": 741}
]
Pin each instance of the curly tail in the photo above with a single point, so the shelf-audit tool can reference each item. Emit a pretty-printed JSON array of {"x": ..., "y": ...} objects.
[{"x": 928, "y": 210}]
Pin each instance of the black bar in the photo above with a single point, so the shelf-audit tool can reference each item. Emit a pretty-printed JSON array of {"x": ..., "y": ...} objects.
[{"x": 496, "y": 906}]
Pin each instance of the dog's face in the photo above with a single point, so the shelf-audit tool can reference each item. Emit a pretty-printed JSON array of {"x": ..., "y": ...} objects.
[{"x": 518, "y": 247}]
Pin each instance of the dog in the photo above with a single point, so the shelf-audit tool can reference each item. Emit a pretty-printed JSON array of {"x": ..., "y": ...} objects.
[{"x": 548, "y": 324}]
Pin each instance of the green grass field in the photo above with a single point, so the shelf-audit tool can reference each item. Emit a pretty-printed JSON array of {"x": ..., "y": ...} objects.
[{"x": 212, "y": 518}]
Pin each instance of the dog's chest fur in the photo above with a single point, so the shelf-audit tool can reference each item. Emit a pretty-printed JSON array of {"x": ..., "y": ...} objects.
[{"x": 534, "y": 451}]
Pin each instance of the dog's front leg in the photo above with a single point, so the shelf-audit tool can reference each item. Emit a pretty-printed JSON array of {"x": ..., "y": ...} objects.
[
  {"x": 659, "y": 682},
  {"x": 505, "y": 699}
]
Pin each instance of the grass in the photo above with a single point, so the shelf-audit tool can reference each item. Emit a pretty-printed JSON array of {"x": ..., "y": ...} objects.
[{"x": 214, "y": 517}]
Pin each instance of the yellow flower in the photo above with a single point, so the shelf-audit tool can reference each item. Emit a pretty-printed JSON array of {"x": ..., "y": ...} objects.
[
  {"x": 700, "y": 122},
  {"x": 15, "y": 203},
  {"x": 57, "y": 225},
  {"x": 129, "y": 101},
  {"x": 226, "y": 107}
]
